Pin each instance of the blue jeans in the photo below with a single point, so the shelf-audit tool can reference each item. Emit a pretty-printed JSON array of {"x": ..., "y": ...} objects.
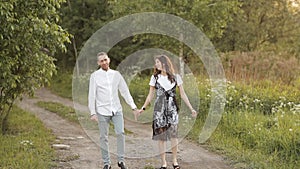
[{"x": 103, "y": 123}]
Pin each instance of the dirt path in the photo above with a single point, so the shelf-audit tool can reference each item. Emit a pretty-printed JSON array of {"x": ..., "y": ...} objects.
[{"x": 84, "y": 151}]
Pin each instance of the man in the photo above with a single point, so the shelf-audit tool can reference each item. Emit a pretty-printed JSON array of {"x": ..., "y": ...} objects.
[{"x": 105, "y": 106}]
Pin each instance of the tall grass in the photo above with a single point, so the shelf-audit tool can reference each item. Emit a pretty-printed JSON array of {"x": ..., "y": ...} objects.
[{"x": 260, "y": 127}]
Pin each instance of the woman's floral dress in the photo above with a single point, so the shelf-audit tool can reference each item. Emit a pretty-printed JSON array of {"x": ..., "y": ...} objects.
[{"x": 165, "y": 115}]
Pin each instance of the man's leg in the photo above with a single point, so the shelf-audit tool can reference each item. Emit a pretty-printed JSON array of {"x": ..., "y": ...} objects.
[
  {"x": 119, "y": 130},
  {"x": 103, "y": 124}
]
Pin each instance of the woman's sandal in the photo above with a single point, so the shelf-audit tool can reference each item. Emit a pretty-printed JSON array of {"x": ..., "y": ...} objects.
[
  {"x": 176, "y": 166},
  {"x": 163, "y": 167}
]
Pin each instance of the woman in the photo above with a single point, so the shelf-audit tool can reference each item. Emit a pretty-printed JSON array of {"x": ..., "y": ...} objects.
[{"x": 165, "y": 115}]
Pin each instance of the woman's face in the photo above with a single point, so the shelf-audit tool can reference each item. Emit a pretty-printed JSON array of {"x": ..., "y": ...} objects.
[{"x": 158, "y": 64}]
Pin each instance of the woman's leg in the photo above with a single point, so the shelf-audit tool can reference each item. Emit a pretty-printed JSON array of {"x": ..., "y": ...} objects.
[
  {"x": 162, "y": 151},
  {"x": 174, "y": 144}
]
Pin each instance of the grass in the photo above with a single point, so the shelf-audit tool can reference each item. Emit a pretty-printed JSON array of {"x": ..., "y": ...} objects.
[
  {"x": 258, "y": 140},
  {"x": 61, "y": 84},
  {"x": 60, "y": 109},
  {"x": 27, "y": 144},
  {"x": 260, "y": 126}
]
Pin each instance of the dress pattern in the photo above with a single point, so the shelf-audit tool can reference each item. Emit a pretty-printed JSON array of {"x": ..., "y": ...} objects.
[{"x": 165, "y": 116}]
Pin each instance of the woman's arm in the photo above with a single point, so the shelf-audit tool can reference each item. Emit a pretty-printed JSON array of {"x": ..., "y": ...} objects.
[
  {"x": 186, "y": 100},
  {"x": 149, "y": 97}
]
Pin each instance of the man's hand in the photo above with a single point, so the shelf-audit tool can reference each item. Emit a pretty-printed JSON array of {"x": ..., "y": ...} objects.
[{"x": 94, "y": 117}]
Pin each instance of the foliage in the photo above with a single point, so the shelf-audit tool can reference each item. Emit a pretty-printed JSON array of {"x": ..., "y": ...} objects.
[
  {"x": 210, "y": 17},
  {"x": 261, "y": 141},
  {"x": 61, "y": 84},
  {"x": 264, "y": 25},
  {"x": 27, "y": 143},
  {"x": 260, "y": 125},
  {"x": 81, "y": 19},
  {"x": 258, "y": 97},
  {"x": 30, "y": 36}
]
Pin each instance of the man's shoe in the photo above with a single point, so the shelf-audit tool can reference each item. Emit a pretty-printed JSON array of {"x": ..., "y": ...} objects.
[
  {"x": 121, "y": 165},
  {"x": 107, "y": 167}
]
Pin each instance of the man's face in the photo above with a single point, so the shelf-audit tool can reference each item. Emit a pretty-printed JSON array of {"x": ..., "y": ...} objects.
[{"x": 103, "y": 62}]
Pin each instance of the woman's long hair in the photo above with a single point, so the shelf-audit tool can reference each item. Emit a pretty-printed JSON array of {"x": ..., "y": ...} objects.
[{"x": 167, "y": 65}]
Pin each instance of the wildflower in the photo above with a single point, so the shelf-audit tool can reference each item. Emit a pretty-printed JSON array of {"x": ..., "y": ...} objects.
[
  {"x": 290, "y": 129},
  {"x": 256, "y": 100},
  {"x": 290, "y": 103},
  {"x": 26, "y": 142}
]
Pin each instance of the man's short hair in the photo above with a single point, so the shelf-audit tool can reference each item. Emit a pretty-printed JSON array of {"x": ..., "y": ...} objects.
[{"x": 101, "y": 54}]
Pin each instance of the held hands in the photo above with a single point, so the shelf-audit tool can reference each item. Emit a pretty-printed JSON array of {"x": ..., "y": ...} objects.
[
  {"x": 194, "y": 113},
  {"x": 137, "y": 113}
]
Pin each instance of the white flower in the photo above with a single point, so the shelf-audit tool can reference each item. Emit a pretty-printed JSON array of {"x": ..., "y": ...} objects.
[
  {"x": 256, "y": 100},
  {"x": 26, "y": 142}
]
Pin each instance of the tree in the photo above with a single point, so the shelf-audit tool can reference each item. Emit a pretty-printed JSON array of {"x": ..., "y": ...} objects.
[
  {"x": 30, "y": 36},
  {"x": 209, "y": 16},
  {"x": 212, "y": 17},
  {"x": 264, "y": 25},
  {"x": 81, "y": 18}
]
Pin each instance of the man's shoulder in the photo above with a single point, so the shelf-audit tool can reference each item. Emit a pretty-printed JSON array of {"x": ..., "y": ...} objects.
[{"x": 114, "y": 71}]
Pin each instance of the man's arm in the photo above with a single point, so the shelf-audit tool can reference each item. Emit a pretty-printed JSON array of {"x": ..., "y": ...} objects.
[
  {"x": 125, "y": 93},
  {"x": 92, "y": 95}
]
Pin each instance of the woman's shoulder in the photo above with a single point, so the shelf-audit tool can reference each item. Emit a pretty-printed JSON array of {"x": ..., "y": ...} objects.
[
  {"x": 153, "y": 77},
  {"x": 178, "y": 79}
]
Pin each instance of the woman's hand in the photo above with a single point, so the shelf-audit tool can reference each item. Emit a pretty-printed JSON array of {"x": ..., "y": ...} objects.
[{"x": 194, "y": 113}]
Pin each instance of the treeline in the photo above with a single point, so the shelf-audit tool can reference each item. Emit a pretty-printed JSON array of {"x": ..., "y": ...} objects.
[{"x": 233, "y": 26}]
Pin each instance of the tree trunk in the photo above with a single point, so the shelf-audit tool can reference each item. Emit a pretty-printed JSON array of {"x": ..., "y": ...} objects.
[
  {"x": 4, "y": 120},
  {"x": 181, "y": 61}
]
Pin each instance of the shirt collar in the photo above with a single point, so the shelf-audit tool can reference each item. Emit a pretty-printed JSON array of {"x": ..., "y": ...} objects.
[{"x": 105, "y": 70}]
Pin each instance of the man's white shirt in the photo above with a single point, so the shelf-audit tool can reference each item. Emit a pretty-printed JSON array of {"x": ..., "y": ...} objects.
[{"x": 104, "y": 91}]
